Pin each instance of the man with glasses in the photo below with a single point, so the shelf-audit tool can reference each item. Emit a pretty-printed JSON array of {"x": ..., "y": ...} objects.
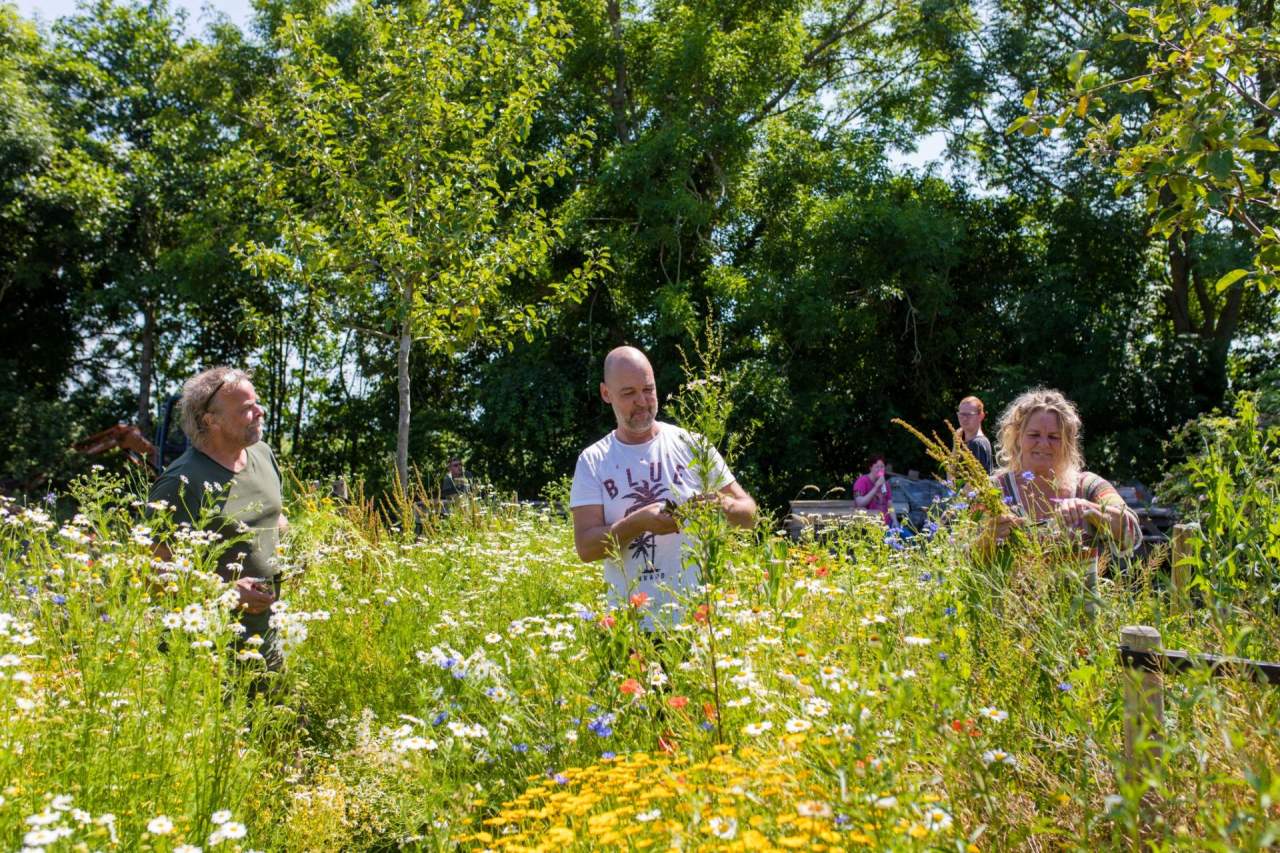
[
  {"x": 970, "y": 413},
  {"x": 228, "y": 482},
  {"x": 456, "y": 482}
]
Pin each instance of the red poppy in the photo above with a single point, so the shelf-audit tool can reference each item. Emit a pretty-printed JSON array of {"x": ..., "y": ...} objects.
[
  {"x": 678, "y": 702},
  {"x": 639, "y": 600},
  {"x": 702, "y": 614},
  {"x": 631, "y": 687},
  {"x": 607, "y": 621}
]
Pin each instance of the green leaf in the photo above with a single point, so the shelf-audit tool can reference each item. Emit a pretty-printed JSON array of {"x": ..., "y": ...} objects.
[
  {"x": 1230, "y": 279},
  {"x": 1258, "y": 143},
  {"x": 1218, "y": 14},
  {"x": 1029, "y": 99},
  {"x": 1219, "y": 164},
  {"x": 1076, "y": 64}
]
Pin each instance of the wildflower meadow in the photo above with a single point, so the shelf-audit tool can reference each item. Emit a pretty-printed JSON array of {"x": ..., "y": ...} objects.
[{"x": 464, "y": 686}]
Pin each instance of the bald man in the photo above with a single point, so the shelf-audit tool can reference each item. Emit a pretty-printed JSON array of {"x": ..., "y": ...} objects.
[{"x": 623, "y": 482}]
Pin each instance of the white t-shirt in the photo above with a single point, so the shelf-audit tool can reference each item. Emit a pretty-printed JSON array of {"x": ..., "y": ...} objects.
[{"x": 622, "y": 478}]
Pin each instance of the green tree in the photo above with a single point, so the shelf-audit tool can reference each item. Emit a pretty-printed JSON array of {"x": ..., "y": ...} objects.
[
  {"x": 1036, "y": 59},
  {"x": 149, "y": 108},
  {"x": 56, "y": 207},
  {"x": 1204, "y": 157},
  {"x": 393, "y": 143}
]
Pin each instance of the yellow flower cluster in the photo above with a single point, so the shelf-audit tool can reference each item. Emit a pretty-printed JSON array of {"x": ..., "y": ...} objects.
[{"x": 749, "y": 801}]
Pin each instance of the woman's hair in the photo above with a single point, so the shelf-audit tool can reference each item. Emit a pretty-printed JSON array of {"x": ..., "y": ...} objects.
[
  {"x": 873, "y": 458},
  {"x": 1009, "y": 428},
  {"x": 198, "y": 393}
]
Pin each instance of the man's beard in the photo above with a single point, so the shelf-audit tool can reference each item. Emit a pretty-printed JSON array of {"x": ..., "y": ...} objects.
[
  {"x": 253, "y": 434},
  {"x": 641, "y": 420}
]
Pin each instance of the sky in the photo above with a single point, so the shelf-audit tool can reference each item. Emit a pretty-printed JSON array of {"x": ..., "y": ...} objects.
[
  {"x": 200, "y": 12},
  {"x": 197, "y": 17}
]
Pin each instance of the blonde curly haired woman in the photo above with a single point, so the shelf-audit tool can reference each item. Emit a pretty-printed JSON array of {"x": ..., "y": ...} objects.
[{"x": 1043, "y": 478}]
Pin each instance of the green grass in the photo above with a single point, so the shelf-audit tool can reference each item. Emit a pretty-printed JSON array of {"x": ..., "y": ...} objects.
[{"x": 463, "y": 689}]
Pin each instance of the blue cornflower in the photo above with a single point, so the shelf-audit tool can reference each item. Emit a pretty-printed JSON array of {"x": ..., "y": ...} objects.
[
  {"x": 842, "y": 819},
  {"x": 59, "y": 599},
  {"x": 440, "y": 718},
  {"x": 960, "y": 505},
  {"x": 1064, "y": 686},
  {"x": 459, "y": 672},
  {"x": 1027, "y": 476},
  {"x": 608, "y": 756},
  {"x": 586, "y": 615},
  {"x": 925, "y": 577},
  {"x": 51, "y": 499},
  {"x": 706, "y": 725},
  {"x": 448, "y": 663},
  {"x": 602, "y": 726},
  {"x": 560, "y": 779},
  {"x": 971, "y": 494},
  {"x": 950, "y": 611},
  {"x": 1008, "y": 500},
  {"x": 943, "y": 656},
  {"x": 521, "y": 748},
  {"x": 544, "y": 747},
  {"x": 930, "y": 528}
]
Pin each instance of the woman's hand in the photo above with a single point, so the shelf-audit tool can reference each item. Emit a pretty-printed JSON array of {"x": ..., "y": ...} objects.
[
  {"x": 1075, "y": 512},
  {"x": 997, "y": 532},
  {"x": 1004, "y": 525}
]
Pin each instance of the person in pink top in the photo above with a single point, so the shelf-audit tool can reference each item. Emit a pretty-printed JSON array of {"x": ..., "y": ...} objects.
[{"x": 871, "y": 491}]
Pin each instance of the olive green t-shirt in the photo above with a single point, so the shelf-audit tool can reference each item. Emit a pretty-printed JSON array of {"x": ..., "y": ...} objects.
[{"x": 251, "y": 497}]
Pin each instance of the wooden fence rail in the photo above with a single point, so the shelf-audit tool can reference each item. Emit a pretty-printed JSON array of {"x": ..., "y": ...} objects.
[{"x": 1146, "y": 663}]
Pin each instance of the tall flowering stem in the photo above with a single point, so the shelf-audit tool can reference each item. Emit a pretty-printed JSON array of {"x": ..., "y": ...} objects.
[
  {"x": 982, "y": 498},
  {"x": 703, "y": 407}
]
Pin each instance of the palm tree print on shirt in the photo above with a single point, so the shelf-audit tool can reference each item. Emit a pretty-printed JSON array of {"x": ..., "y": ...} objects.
[{"x": 645, "y": 546}]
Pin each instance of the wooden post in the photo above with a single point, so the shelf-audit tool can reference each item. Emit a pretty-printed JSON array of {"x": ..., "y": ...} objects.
[
  {"x": 1143, "y": 705},
  {"x": 1180, "y": 556}
]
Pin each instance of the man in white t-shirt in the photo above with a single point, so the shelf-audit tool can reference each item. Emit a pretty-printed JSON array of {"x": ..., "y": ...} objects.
[{"x": 623, "y": 482}]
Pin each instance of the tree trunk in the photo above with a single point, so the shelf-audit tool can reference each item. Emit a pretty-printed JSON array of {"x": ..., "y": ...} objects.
[
  {"x": 402, "y": 366},
  {"x": 619, "y": 100},
  {"x": 295, "y": 446},
  {"x": 146, "y": 369}
]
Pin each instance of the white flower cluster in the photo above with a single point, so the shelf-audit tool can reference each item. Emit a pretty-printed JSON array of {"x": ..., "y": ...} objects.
[
  {"x": 406, "y": 738},
  {"x": 37, "y": 519},
  {"x": 59, "y": 821},
  {"x": 291, "y": 625},
  {"x": 74, "y": 534},
  {"x": 195, "y": 618},
  {"x": 475, "y": 667}
]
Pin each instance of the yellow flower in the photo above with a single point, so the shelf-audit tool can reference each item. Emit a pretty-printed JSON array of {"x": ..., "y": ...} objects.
[
  {"x": 559, "y": 835},
  {"x": 795, "y": 842}
]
